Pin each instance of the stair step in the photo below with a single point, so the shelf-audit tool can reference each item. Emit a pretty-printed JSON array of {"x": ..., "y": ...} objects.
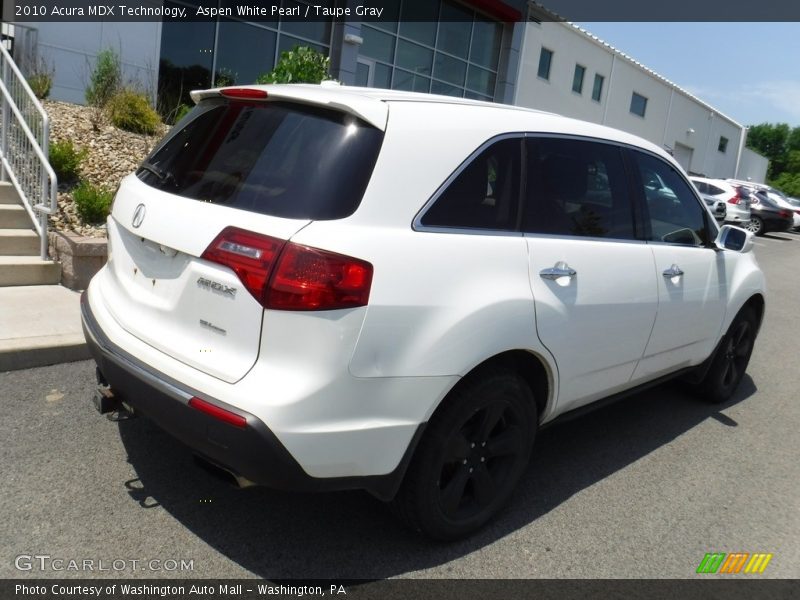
[
  {"x": 19, "y": 242},
  {"x": 8, "y": 195},
  {"x": 28, "y": 270},
  {"x": 14, "y": 217}
]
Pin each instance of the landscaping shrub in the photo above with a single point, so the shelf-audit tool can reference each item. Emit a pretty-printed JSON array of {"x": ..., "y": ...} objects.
[
  {"x": 301, "y": 64},
  {"x": 92, "y": 202},
  {"x": 106, "y": 79},
  {"x": 66, "y": 160},
  {"x": 41, "y": 79},
  {"x": 131, "y": 111}
]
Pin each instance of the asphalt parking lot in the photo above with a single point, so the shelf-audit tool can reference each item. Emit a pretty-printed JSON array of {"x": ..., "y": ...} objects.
[{"x": 642, "y": 488}]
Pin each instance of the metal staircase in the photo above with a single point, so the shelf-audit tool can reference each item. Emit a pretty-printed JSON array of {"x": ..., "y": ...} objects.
[{"x": 28, "y": 185}]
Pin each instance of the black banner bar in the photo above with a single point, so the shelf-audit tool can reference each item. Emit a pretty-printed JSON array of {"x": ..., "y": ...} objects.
[
  {"x": 412, "y": 10},
  {"x": 732, "y": 588}
]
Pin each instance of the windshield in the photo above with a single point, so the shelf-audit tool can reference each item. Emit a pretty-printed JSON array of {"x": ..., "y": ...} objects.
[{"x": 275, "y": 158}]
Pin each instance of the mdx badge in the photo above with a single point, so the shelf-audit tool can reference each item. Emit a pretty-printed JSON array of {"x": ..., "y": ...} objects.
[
  {"x": 138, "y": 216},
  {"x": 215, "y": 286}
]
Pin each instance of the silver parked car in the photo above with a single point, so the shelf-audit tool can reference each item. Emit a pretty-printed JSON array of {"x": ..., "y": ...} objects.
[{"x": 735, "y": 199}]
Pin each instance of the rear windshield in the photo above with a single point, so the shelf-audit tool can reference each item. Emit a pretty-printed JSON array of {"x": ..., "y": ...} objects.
[{"x": 279, "y": 159}]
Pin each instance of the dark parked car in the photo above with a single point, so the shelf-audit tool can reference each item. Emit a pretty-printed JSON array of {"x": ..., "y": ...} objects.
[{"x": 766, "y": 215}]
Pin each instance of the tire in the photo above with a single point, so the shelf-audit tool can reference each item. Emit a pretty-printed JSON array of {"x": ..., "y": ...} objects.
[
  {"x": 471, "y": 457},
  {"x": 731, "y": 359},
  {"x": 755, "y": 226}
]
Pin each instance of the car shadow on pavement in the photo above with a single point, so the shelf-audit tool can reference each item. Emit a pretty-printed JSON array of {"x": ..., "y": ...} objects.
[{"x": 350, "y": 535}]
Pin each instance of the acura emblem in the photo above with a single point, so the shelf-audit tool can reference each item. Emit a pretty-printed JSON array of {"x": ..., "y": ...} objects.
[{"x": 138, "y": 216}]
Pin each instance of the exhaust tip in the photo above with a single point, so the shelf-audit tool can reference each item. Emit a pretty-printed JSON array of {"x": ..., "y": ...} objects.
[{"x": 223, "y": 473}]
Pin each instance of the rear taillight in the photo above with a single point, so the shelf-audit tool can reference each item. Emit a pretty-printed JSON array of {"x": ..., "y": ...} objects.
[
  {"x": 249, "y": 255},
  {"x": 220, "y": 414},
  {"x": 785, "y": 214},
  {"x": 735, "y": 199},
  {"x": 311, "y": 279},
  {"x": 286, "y": 276}
]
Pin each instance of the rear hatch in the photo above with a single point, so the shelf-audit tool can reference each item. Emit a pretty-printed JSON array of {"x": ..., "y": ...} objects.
[{"x": 228, "y": 186}]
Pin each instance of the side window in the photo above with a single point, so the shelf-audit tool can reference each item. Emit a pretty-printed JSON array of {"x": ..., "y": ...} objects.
[
  {"x": 577, "y": 187},
  {"x": 702, "y": 187},
  {"x": 675, "y": 215},
  {"x": 485, "y": 195}
]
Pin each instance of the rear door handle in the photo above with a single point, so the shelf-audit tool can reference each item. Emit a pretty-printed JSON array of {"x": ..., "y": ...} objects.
[
  {"x": 673, "y": 271},
  {"x": 561, "y": 269}
]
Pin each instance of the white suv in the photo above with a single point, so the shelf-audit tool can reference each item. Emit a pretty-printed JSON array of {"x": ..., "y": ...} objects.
[
  {"x": 718, "y": 190},
  {"x": 322, "y": 288}
]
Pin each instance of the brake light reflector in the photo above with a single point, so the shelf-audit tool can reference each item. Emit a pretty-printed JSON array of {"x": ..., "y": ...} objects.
[
  {"x": 220, "y": 414},
  {"x": 246, "y": 93},
  {"x": 312, "y": 279},
  {"x": 249, "y": 255}
]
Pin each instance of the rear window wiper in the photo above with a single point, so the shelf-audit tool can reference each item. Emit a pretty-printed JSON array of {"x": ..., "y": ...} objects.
[{"x": 163, "y": 176}]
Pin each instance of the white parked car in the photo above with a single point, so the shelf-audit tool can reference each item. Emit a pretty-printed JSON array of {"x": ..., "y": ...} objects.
[
  {"x": 322, "y": 288},
  {"x": 736, "y": 200},
  {"x": 778, "y": 197}
]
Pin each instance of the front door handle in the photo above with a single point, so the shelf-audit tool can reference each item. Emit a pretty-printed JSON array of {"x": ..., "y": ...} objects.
[
  {"x": 673, "y": 271},
  {"x": 561, "y": 269}
]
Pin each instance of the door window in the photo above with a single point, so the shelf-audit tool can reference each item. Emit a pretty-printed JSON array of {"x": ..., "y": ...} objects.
[
  {"x": 577, "y": 188},
  {"x": 674, "y": 213}
]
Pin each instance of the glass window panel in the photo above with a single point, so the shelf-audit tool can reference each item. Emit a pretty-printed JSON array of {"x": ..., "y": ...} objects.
[
  {"x": 450, "y": 69},
  {"x": 377, "y": 45},
  {"x": 414, "y": 57},
  {"x": 287, "y": 42},
  {"x": 597, "y": 90},
  {"x": 438, "y": 87},
  {"x": 455, "y": 29},
  {"x": 638, "y": 104},
  {"x": 185, "y": 62},
  {"x": 318, "y": 31},
  {"x": 577, "y": 79},
  {"x": 243, "y": 52},
  {"x": 362, "y": 74},
  {"x": 481, "y": 81},
  {"x": 545, "y": 60},
  {"x": 486, "y": 38},
  {"x": 475, "y": 96},
  {"x": 410, "y": 82},
  {"x": 419, "y": 21},
  {"x": 389, "y": 16},
  {"x": 382, "y": 76}
]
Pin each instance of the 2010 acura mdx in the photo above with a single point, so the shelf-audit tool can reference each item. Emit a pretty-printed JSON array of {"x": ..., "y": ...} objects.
[{"x": 326, "y": 288}]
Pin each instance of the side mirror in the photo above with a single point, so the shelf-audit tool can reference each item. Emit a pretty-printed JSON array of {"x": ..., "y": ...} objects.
[{"x": 734, "y": 239}]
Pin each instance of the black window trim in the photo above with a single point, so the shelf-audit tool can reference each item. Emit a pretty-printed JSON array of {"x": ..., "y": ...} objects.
[{"x": 638, "y": 207}]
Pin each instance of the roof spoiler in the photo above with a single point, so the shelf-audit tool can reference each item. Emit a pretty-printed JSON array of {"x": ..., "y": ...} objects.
[{"x": 373, "y": 111}]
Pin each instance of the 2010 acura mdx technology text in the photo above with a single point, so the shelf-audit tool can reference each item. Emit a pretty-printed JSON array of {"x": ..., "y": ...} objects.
[{"x": 326, "y": 288}]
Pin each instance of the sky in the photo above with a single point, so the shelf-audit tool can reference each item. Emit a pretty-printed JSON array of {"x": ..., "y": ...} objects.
[{"x": 748, "y": 71}]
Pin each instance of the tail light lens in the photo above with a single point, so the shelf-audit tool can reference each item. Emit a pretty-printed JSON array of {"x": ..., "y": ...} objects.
[
  {"x": 244, "y": 93},
  {"x": 287, "y": 276},
  {"x": 735, "y": 199},
  {"x": 249, "y": 255},
  {"x": 785, "y": 214},
  {"x": 311, "y": 279}
]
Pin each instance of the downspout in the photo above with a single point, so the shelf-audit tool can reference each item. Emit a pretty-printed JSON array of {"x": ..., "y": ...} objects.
[
  {"x": 742, "y": 141},
  {"x": 610, "y": 87}
]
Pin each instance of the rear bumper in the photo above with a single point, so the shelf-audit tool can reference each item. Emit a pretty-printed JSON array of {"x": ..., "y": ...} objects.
[{"x": 253, "y": 452}]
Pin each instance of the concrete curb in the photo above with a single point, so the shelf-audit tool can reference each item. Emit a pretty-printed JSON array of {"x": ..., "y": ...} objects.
[{"x": 40, "y": 325}]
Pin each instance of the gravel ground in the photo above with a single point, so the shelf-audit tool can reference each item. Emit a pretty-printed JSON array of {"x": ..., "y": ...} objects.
[{"x": 112, "y": 154}]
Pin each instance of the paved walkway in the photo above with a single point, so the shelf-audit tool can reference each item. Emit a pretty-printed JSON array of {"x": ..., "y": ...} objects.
[{"x": 39, "y": 325}]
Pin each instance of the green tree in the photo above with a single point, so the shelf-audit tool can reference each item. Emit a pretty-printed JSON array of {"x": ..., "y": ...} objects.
[
  {"x": 793, "y": 142},
  {"x": 301, "y": 64},
  {"x": 770, "y": 140},
  {"x": 106, "y": 79},
  {"x": 788, "y": 183}
]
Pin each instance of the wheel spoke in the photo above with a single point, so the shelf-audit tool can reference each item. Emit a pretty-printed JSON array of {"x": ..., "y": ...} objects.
[
  {"x": 483, "y": 486},
  {"x": 507, "y": 442},
  {"x": 740, "y": 333},
  {"x": 453, "y": 492},
  {"x": 726, "y": 379},
  {"x": 733, "y": 370},
  {"x": 492, "y": 414},
  {"x": 457, "y": 448}
]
